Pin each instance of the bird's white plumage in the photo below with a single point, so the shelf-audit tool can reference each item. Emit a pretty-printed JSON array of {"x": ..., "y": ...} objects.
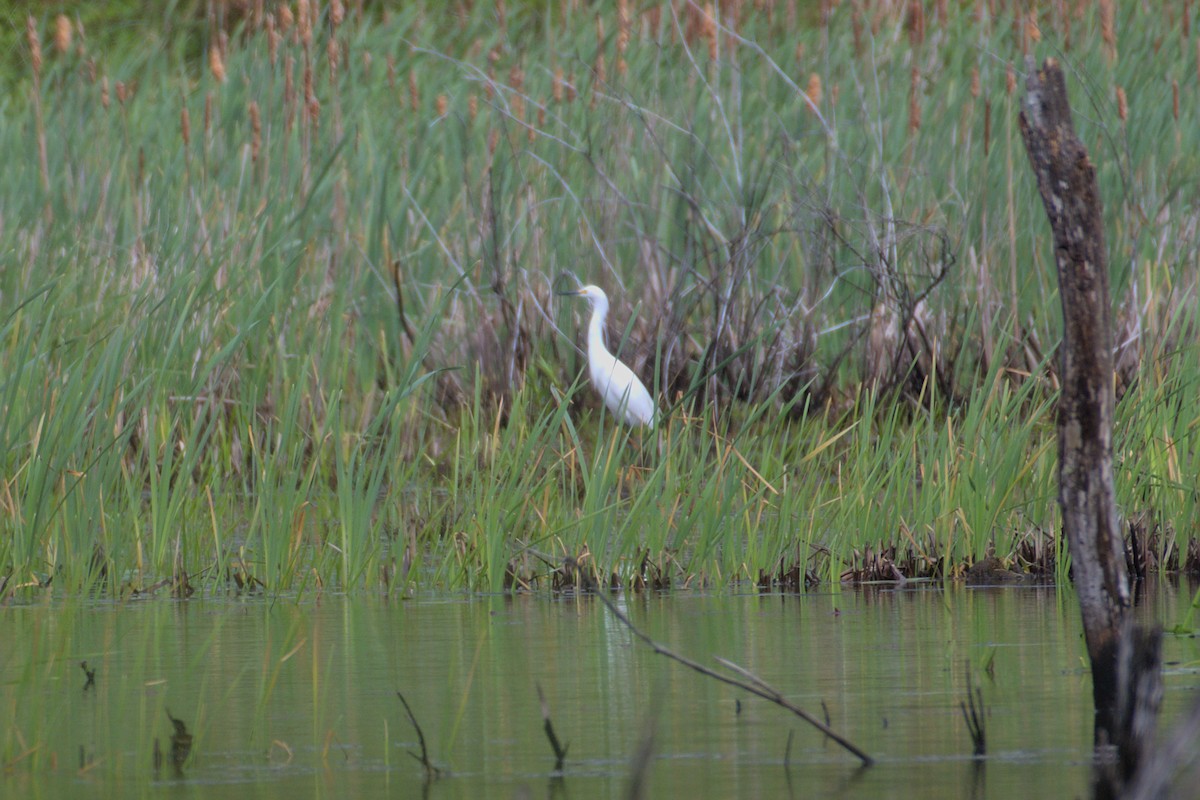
[{"x": 622, "y": 391}]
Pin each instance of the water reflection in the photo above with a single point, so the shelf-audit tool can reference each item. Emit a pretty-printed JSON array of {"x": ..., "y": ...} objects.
[{"x": 280, "y": 698}]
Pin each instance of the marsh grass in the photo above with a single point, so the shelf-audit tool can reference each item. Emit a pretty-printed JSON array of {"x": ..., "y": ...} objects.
[{"x": 281, "y": 318}]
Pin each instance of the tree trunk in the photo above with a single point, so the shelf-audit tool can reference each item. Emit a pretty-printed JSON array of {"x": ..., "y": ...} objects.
[{"x": 1066, "y": 180}]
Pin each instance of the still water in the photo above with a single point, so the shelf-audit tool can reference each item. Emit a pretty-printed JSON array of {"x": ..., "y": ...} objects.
[{"x": 297, "y": 699}]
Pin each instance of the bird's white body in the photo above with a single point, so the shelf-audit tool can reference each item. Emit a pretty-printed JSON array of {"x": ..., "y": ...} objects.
[{"x": 622, "y": 391}]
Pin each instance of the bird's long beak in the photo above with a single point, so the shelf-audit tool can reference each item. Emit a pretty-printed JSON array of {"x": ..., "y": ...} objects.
[{"x": 569, "y": 293}]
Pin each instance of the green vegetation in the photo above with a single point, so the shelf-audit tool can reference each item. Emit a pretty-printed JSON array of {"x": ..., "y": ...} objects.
[{"x": 281, "y": 317}]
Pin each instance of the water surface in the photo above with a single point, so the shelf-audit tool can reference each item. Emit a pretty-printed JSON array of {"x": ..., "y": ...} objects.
[{"x": 298, "y": 699}]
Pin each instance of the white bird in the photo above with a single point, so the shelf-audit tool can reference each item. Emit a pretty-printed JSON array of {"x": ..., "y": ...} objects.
[{"x": 623, "y": 393}]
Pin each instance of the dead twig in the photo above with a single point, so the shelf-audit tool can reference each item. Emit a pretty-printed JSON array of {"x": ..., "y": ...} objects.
[
  {"x": 753, "y": 684},
  {"x": 431, "y": 771},
  {"x": 560, "y": 749},
  {"x": 973, "y": 712}
]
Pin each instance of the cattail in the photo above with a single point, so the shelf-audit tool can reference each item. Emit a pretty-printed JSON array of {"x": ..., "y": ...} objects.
[
  {"x": 975, "y": 83},
  {"x": 541, "y": 117},
  {"x": 516, "y": 77},
  {"x": 572, "y": 93},
  {"x": 62, "y": 34},
  {"x": 289, "y": 83},
  {"x": 391, "y": 72},
  {"x": 1032, "y": 32},
  {"x": 304, "y": 23},
  {"x": 1122, "y": 105},
  {"x": 208, "y": 114},
  {"x": 1175, "y": 99},
  {"x": 215, "y": 64},
  {"x": 472, "y": 107},
  {"x": 813, "y": 92},
  {"x": 709, "y": 31},
  {"x": 501, "y": 17},
  {"x": 914, "y": 105},
  {"x": 414, "y": 93},
  {"x": 493, "y": 141},
  {"x": 1108, "y": 29},
  {"x": 331, "y": 54},
  {"x": 312, "y": 106},
  {"x": 1010, "y": 80},
  {"x": 255, "y": 131},
  {"x": 185, "y": 127},
  {"x": 284, "y": 13},
  {"x": 337, "y": 13},
  {"x": 556, "y": 88},
  {"x": 122, "y": 93},
  {"x": 624, "y": 27},
  {"x": 914, "y": 22},
  {"x": 273, "y": 39},
  {"x": 798, "y": 53},
  {"x": 104, "y": 99},
  {"x": 441, "y": 104},
  {"x": 35, "y": 45}
]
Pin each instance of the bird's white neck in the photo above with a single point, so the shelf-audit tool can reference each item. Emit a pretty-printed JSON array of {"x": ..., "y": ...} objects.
[{"x": 596, "y": 329}]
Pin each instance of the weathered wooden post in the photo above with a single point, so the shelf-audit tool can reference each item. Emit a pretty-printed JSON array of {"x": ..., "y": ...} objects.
[{"x": 1122, "y": 657}]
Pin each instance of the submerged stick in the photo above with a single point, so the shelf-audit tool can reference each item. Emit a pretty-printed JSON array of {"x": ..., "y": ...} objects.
[
  {"x": 753, "y": 684},
  {"x": 560, "y": 750},
  {"x": 430, "y": 770},
  {"x": 973, "y": 713}
]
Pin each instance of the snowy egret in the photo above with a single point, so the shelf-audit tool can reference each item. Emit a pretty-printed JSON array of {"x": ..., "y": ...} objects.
[{"x": 623, "y": 393}]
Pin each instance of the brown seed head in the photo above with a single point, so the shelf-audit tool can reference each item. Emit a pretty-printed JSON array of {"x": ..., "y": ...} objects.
[
  {"x": 975, "y": 88},
  {"x": 286, "y": 19},
  {"x": 185, "y": 126},
  {"x": 35, "y": 44},
  {"x": 255, "y": 131},
  {"x": 62, "y": 34},
  {"x": 215, "y": 64},
  {"x": 304, "y": 23},
  {"x": 1108, "y": 28},
  {"x": 414, "y": 91},
  {"x": 1010, "y": 80},
  {"x": 813, "y": 92},
  {"x": 1122, "y": 104},
  {"x": 332, "y": 53},
  {"x": 104, "y": 98},
  {"x": 274, "y": 37},
  {"x": 1175, "y": 99},
  {"x": 556, "y": 88},
  {"x": 442, "y": 105},
  {"x": 337, "y": 13},
  {"x": 709, "y": 31}
]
